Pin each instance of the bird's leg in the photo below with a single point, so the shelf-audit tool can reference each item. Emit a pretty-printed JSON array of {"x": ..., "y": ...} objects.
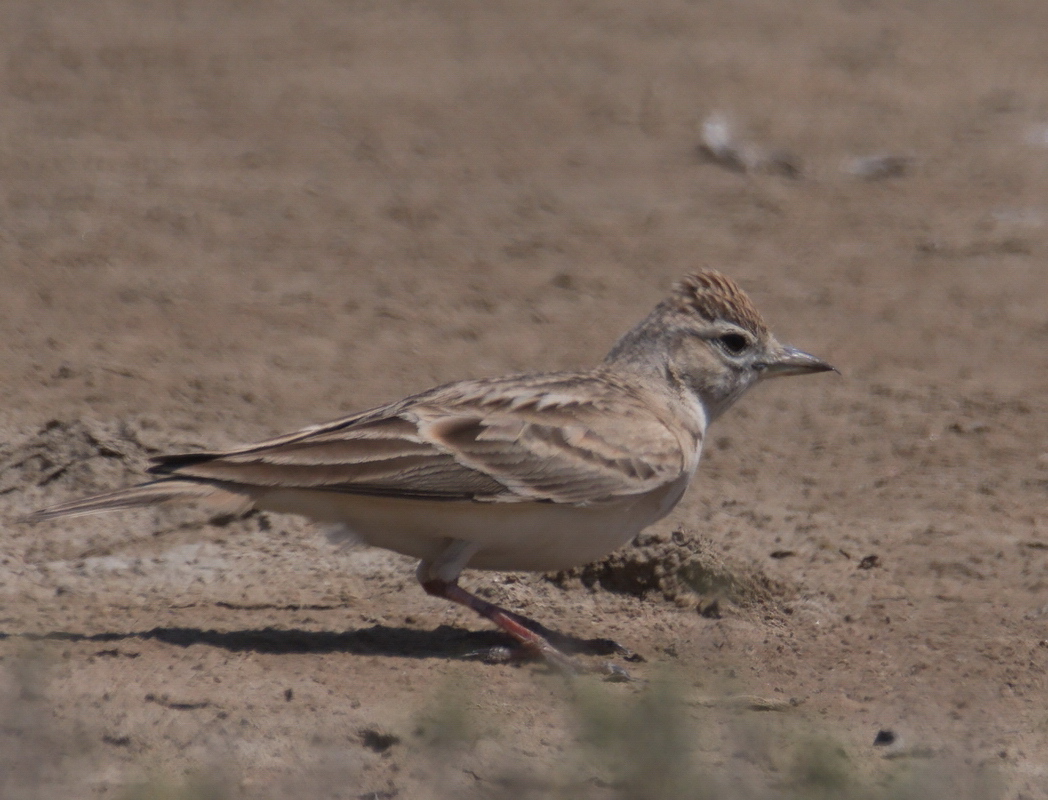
[
  {"x": 594, "y": 647},
  {"x": 439, "y": 578},
  {"x": 509, "y": 622}
]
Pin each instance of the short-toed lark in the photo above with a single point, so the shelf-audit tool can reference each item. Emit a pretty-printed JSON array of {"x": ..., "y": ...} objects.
[{"x": 524, "y": 472}]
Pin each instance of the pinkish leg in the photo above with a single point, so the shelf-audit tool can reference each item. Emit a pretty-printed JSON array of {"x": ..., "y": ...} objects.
[{"x": 516, "y": 626}]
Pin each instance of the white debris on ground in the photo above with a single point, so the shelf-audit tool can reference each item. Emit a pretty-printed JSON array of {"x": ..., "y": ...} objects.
[{"x": 719, "y": 145}]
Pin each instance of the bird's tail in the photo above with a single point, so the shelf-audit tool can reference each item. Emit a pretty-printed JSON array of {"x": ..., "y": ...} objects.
[{"x": 218, "y": 498}]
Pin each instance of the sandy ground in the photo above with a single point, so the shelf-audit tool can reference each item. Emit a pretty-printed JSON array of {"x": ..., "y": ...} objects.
[{"x": 221, "y": 221}]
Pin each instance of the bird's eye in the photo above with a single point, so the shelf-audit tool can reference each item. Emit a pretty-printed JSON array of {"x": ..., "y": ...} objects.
[{"x": 733, "y": 343}]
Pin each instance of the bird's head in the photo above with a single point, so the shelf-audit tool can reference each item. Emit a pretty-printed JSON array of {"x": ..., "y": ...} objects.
[{"x": 709, "y": 338}]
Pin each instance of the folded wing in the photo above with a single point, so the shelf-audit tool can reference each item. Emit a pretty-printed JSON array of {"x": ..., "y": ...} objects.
[{"x": 549, "y": 438}]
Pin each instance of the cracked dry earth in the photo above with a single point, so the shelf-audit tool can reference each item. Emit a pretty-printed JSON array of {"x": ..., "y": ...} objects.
[{"x": 221, "y": 222}]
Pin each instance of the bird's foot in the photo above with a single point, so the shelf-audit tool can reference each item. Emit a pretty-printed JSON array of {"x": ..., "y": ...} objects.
[
  {"x": 533, "y": 638},
  {"x": 557, "y": 659}
]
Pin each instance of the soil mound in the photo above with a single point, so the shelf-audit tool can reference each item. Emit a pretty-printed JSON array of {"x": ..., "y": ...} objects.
[{"x": 680, "y": 567}]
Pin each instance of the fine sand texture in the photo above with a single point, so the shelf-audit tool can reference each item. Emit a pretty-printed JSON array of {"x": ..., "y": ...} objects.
[{"x": 222, "y": 221}]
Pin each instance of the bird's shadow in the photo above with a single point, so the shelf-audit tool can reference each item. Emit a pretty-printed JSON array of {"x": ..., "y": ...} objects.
[{"x": 378, "y": 640}]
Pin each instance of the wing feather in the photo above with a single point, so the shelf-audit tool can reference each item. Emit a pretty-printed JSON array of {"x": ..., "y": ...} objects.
[{"x": 525, "y": 438}]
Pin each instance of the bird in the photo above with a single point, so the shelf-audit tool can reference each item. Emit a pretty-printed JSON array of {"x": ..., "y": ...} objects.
[{"x": 525, "y": 472}]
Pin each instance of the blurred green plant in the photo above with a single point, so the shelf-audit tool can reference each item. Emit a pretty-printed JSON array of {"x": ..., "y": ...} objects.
[{"x": 198, "y": 787}]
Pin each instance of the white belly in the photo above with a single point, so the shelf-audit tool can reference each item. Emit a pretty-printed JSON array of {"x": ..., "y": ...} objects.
[{"x": 510, "y": 536}]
